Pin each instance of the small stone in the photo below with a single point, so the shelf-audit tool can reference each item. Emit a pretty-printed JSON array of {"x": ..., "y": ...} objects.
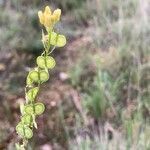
[
  {"x": 53, "y": 103},
  {"x": 46, "y": 147},
  {"x": 2, "y": 67},
  {"x": 63, "y": 76}
]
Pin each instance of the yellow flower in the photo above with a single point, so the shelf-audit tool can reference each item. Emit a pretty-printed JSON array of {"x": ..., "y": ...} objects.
[
  {"x": 47, "y": 18},
  {"x": 57, "y": 14}
]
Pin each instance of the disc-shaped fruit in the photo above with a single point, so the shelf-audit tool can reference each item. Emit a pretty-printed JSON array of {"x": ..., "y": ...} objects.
[
  {"x": 44, "y": 76},
  {"x": 46, "y": 62},
  {"x": 39, "y": 108},
  {"x": 61, "y": 41},
  {"x": 32, "y": 93},
  {"x": 29, "y": 109},
  {"x": 58, "y": 39},
  {"x": 24, "y": 131},
  {"x": 34, "y": 76},
  {"x": 26, "y": 119}
]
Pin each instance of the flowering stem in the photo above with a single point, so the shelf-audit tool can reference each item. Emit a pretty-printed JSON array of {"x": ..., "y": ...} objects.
[{"x": 37, "y": 76}]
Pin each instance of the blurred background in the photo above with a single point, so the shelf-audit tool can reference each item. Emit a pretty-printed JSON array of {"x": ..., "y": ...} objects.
[{"x": 98, "y": 95}]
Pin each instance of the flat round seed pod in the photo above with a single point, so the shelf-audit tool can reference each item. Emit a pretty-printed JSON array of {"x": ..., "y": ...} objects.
[
  {"x": 33, "y": 75},
  {"x": 39, "y": 108},
  {"x": 58, "y": 39},
  {"x": 53, "y": 38},
  {"x": 29, "y": 109},
  {"x": 26, "y": 119},
  {"x": 28, "y": 133},
  {"x": 61, "y": 41},
  {"x": 46, "y": 62},
  {"x": 41, "y": 61},
  {"x": 44, "y": 76},
  {"x": 50, "y": 62},
  {"x": 24, "y": 131},
  {"x": 19, "y": 128},
  {"x": 32, "y": 93}
]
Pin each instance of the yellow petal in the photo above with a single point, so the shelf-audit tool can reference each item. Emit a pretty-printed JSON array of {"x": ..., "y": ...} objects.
[
  {"x": 57, "y": 14},
  {"x": 53, "y": 19},
  {"x": 47, "y": 11},
  {"x": 41, "y": 17},
  {"x": 47, "y": 21}
]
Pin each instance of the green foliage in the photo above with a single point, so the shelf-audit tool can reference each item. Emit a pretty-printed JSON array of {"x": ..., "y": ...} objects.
[{"x": 95, "y": 100}]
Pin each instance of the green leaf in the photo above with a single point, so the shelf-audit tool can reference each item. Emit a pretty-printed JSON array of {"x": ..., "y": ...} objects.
[
  {"x": 27, "y": 119},
  {"x": 33, "y": 75},
  {"x": 29, "y": 109},
  {"x": 32, "y": 93},
  {"x": 44, "y": 76},
  {"x": 46, "y": 62},
  {"x": 58, "y": 39},
  {"x": 39, "y": 108},
  {"x": 24, "y": 131}
]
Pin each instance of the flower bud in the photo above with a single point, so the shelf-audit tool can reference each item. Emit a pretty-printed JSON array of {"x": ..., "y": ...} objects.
[{"x": 47, "y": 18}]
